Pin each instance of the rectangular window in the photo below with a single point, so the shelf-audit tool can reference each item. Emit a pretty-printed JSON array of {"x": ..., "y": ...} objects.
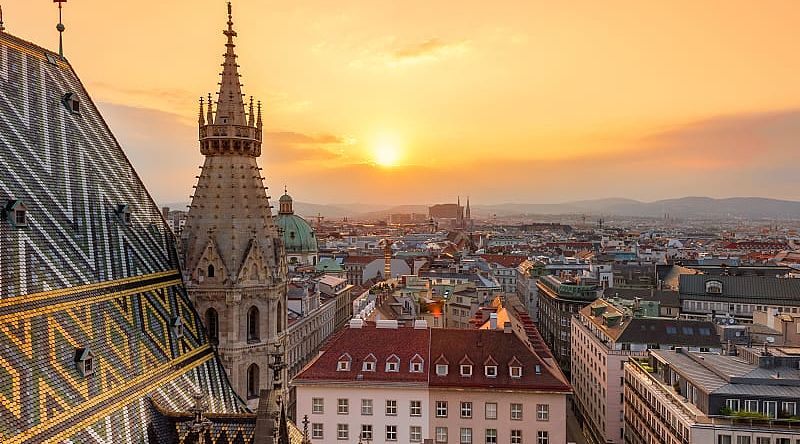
[
  {"x": 771, "y": 409},
  {"x": 466, "y": 435},
  {"x": 742, "y": 440},
  {"x": 343, "y": 407},
  {"x": 391, "y": 433},
  {"x": 391, "y": 407},
  {"x": 317, "y": 405},
  {"x": 366, "y": 407},
  {"x": 491, "y": 371},
  {"x": 366, "y": 431},
  {"x": 441, "y": 409},
  {"x": 788, "y": 409},
  {"x": 723, "y": 439},
  {"x": 415, "y": 434},
  {"x": 542, "y": 412},
  {"x": 490, "y": 410},
  {"x": 491, "y": 436},
  {"x": 342, "y": 431},
  {"x": 441, "y": 434},
  {"x": 762, "y": 440},
  {"x": 441, "y": 369},
  {"x": 416, "y": 367},
  {"x": 516, "y": 437},
  {"x": 516, "y": 411},
  {"x": 466, "y": 370},
  {"x": 466, "y": 409},
  {"x": 415, "y": 408},
  {"x": 515, "y": 372},
  {"x": 542, "y": 437},
  {"x": 751, "y": 405},
  {"x": 732, "y": 404},
  {"x": 316, "y": 430}
]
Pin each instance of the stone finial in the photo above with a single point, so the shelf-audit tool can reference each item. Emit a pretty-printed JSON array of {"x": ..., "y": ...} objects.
[{"x": 200, "y": 119}]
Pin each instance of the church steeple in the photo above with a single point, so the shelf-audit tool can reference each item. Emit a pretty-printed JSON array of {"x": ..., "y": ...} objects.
[
  {"x": 227, "y": 130},
  {"x": 230, "y": 106}
]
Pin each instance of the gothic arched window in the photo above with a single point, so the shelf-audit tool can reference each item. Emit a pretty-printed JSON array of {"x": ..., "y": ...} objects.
[
  {"x": 252, "y": 324},
  {"x": 252, "y": 381},
  {"x": 280, "y": 317},
  {"x": 210, "y": 270},
  {"x": 212, "y": 325}
]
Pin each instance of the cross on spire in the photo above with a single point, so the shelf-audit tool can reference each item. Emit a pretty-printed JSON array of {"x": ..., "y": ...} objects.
[{"x": 230, "y": 106}]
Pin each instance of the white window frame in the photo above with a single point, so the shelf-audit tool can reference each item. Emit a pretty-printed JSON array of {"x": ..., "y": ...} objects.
[
  {"x": 465, "y": 435},
  {"x": 391, "y": 432},
  {"x": 366, "y": 431},
  {"x": 415, "y": 408},
  {"x": 317, "y": 430},
  {"x": 543, "y": 412},
  {"x": 490, "y": 371},
  {"x": 490, "y": 407},
  {"x": 342, "y": 431},
  {"x": 441, "y": 434},
  {"x": 441, "y": 369},
  {"x": 466, "y": 409},
  {"x": 466, "y": 370},
  {"x": 317, "y": 405},
  {"x": 415, "y": 433},
  {"x": 516, "y": 413},
  {"x": 441, "y": 409},
  {"x": 343, "y": 408},
  {"x": 367, "y": 407},
  {"x": 515, "y": 372},
  {"x": 391, "y": 407}
]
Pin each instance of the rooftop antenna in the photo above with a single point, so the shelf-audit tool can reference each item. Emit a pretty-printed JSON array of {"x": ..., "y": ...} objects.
[
  {"x": 2, "y": 28},
  {"x": 60, "y": 28}
]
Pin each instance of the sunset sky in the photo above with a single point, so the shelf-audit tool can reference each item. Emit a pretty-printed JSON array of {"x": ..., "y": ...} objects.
[{"x": 505, "y": 101}]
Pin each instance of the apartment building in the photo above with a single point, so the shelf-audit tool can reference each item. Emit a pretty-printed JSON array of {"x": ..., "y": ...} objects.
[
  {"x": 737, "y": 297},
  {"x": 683, "y": 397},
  {"x": 387, "y": 383},
  {"x": 604, "y": 336}
]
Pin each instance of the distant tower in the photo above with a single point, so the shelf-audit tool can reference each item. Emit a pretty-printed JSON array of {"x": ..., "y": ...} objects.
[
  {"x": 234, "y": 259},
  {"x": 468, "y": 216}
]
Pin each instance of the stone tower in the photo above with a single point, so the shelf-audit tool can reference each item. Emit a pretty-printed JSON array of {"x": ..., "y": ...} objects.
[{"x": 234, "y": 260}]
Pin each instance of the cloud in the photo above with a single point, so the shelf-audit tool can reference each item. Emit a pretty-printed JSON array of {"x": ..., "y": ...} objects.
[{"x": 388, "y": 53}]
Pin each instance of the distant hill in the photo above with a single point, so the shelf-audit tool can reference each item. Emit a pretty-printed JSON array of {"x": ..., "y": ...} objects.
[
  {"x": 691, "y": 207},
  {"x": 684, "y": 207}
]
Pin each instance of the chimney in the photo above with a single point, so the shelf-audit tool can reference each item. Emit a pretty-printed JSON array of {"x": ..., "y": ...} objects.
[
  {"x": 493, "y": 321},
  {"x": 506, "y": 327}
]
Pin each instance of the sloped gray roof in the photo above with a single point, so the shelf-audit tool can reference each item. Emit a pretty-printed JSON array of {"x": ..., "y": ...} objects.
[{"x": 754, "y": 289}]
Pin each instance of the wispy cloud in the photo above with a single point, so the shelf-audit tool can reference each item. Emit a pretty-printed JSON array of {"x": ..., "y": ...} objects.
[{"x": 390, "y": 53}]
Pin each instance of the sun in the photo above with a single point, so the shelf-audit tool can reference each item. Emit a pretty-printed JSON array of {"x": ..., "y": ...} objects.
[{"x": 386, "y": 153}]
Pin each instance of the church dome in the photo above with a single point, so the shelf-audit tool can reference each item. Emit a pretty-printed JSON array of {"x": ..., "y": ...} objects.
[{"x": 298, "y": 236}]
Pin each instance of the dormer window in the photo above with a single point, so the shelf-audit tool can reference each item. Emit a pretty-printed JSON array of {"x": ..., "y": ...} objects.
[
  {"x": 538, "y": 369},
  {"x": 393, "y": 363},
  {"x": 466, "y": 370},
  {"x": 369, "y": 363},
  {"x": 123, "y": 213},
  {"x": 441, "y": 369},
  {"x": 490, "y": 367},
  {"x": 515, "y": 368},
  {"x": 416, "y": 364},
  {"x": 714, "y": 287},
  {"x": 72, "y": 103},
  {"x": 84, "y": 361},
  {"x": 177, "y": 326},
  {"x": 16, "y": 212},
  {"x": 343, "y": 364}
]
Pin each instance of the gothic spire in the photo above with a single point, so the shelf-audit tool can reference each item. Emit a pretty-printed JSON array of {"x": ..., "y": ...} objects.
[
  {"x": 200, "y": 118},
  {"x": 230, "y": 106}
]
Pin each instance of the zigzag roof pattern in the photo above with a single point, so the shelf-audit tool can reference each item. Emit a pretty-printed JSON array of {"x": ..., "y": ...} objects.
[{"x": 91, "y": 265}]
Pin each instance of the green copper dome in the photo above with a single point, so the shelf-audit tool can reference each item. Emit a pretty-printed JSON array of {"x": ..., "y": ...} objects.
[{"x": 298, "y": 236}]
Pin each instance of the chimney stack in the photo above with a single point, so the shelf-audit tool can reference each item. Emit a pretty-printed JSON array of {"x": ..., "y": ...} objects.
[
  {"x": 506, "y": 327},
  {"x": 493, "y": 321}
]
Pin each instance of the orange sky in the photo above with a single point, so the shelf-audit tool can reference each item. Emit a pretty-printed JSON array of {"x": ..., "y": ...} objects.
[{"x": 505, "y": 101}]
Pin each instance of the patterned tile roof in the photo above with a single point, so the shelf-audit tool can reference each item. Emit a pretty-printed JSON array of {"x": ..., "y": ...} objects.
[{"x": 93, "y": 267}]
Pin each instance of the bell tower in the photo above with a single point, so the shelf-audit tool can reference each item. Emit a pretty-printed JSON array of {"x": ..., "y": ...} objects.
[{"x": 234, "y": 259}]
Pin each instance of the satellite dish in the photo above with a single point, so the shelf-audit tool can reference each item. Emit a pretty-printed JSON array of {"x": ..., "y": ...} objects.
[
  {"x": 731, "y": 321},
  {"x": 770, "y": 339}
]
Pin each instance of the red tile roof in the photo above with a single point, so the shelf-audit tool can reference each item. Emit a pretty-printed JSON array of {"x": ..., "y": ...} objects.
[
  {"x": 455, "y": 345},
  {"x": 487, "y": 346},
  {"x": 505, "y": 260},
  {"x": 404, "y": 342}
]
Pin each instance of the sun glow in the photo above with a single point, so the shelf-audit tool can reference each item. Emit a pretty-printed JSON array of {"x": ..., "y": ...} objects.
[{"x": 386, "y": 152}]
